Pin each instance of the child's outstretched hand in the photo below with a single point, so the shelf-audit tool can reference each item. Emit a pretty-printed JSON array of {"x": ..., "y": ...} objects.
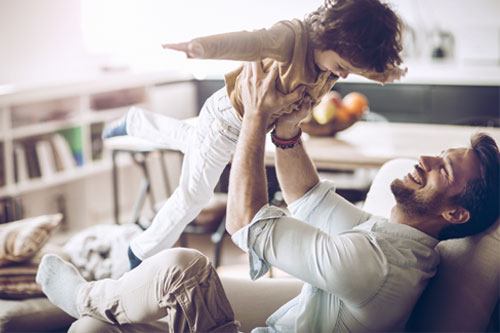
[
  {"x": 191, "y": 49},
  {"x": 391, "y": 74}
]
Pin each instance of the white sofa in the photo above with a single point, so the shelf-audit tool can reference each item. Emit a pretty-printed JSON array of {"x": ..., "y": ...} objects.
[{"x": 461, "y": 297}]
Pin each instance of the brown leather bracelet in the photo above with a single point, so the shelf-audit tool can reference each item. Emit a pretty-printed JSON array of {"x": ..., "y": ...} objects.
[{"x": 285, "y": 143}]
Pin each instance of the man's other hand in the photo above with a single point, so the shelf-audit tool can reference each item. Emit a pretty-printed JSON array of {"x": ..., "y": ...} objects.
[
  {"x": 259, "y": 94},
  {"x": 287, "y": 125}
]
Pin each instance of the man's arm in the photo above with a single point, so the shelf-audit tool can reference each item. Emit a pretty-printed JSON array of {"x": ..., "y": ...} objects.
[
  {"x": 247, "y": 181},
  {"x": 295, "y": 170}
]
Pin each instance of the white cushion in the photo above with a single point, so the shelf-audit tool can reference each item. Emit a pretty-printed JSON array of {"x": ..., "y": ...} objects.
[{"x": 254, "y": 301}]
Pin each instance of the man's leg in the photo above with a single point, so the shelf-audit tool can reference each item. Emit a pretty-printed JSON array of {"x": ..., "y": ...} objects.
[{"x": 179, "y": 285}]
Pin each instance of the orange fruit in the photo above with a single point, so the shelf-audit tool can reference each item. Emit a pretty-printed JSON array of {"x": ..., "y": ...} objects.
[
  {"x": 342, "y": 116},
  {"x": 356, "y": 103}
]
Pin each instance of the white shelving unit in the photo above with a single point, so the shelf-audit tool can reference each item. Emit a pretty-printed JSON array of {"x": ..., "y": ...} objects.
[{"x": 80, "y": 110}]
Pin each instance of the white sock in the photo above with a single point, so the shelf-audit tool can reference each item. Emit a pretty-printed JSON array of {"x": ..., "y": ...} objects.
[{"x": 60, "y": 281}]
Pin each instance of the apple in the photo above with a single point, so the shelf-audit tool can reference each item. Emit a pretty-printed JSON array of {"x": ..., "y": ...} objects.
[
  {"x": 355, "y": 103},
  {"x": 328, "y": 107}
]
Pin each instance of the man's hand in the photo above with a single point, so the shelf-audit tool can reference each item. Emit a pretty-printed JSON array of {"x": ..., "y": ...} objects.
[
  {"x": 191, "y": 49},
  {"x": 287, "y": 126},
  {"x": 259, "y": 95}
]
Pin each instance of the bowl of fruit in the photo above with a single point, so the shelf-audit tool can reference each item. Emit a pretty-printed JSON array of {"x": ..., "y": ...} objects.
[{"x": 334, "y": 113}]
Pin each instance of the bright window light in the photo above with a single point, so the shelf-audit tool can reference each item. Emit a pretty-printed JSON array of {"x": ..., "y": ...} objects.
[{"x": 131, "y": 31}]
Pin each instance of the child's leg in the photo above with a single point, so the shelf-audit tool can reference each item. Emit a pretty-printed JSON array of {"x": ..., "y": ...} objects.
[
  {"x": 179, "y": 285},
  {"x": 209, "y": 152},
  {"x": 162, "y": 130}
]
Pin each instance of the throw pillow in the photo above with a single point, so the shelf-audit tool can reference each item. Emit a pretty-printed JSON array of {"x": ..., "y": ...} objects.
[{"x": 21, "y": 240}]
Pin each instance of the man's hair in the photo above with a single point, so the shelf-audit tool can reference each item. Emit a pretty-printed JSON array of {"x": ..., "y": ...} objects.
[
  {"x": 481, "y": 195},
  {"x": 367, "y": 33}
]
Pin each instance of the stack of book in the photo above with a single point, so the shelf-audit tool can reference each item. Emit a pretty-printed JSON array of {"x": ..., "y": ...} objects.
[{"x": 45, "y": 157}]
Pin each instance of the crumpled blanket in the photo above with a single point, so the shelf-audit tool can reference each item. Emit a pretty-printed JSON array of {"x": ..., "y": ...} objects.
[{"x": 100, "y": 251}]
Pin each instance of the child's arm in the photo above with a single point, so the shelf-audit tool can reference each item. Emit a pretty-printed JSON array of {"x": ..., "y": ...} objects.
[{"x": 275, "y": 42}]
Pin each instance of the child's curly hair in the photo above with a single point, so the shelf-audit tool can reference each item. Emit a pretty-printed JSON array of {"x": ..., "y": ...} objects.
[{"x": 367, "y": 33}]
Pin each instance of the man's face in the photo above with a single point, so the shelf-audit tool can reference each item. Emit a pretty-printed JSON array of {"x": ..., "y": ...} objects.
[
  {"x": 428, "y": 188},
  {"x": 331, "y": 61}
]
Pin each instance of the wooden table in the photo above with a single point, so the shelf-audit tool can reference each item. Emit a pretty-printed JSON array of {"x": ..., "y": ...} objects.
[{"x": 371, "y": 144}]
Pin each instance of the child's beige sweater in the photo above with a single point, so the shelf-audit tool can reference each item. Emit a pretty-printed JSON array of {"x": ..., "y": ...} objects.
[{"x": 286, "y": 42}]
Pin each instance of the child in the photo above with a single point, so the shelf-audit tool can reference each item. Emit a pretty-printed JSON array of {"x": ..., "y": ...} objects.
[{"x": 340, "y": 37}]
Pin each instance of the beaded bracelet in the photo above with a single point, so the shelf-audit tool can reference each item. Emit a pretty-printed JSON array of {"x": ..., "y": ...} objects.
[{"x": 285, "y": 143}]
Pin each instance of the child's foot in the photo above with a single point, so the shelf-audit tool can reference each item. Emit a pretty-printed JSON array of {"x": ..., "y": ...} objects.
[
  {"x": 116, "y": 128},
  {"x": 60, "y": 281}
]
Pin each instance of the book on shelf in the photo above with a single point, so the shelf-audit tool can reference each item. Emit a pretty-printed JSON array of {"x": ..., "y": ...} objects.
[
  {"x": 32, "y": 159},
  {"x": 96, "y": 143},
  {"x": 20, "y": 164},
  {"x": 11, "y": 209},
  {"x": 63, "y": 154},
  {"x": 3, "y": 181},
  {"x": 46, "y": 159},
  {"x": 74, "y": 138}
]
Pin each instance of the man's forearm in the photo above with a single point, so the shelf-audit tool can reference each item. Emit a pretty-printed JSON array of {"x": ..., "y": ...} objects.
[
  {"x": 295, "y": 170},
  {"x": 247, "y": 181}
]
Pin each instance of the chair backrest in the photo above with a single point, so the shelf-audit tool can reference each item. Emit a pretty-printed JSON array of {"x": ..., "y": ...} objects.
[{"x": 463, "y": 294}]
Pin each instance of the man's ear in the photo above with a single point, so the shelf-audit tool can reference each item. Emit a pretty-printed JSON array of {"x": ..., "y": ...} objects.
[{"x": 456, "y": 215}]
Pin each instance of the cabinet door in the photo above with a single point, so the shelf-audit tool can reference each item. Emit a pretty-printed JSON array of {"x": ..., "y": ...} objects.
[{"x": 465, "y": 105}]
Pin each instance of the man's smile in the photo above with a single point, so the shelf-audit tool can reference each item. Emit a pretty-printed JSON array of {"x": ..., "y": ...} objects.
[{"x": 416, "y": 176}]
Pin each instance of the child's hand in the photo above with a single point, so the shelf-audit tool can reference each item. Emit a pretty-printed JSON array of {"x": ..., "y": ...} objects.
[
  {"x": 191, "y": 49},
  {"x": 391, "y": 74}
]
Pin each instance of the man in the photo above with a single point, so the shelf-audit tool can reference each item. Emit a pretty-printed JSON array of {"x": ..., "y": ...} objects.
[{"x": 361, "y": 273}]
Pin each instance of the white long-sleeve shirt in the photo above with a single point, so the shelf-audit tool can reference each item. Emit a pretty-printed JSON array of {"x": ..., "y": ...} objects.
[{"x": 361, "y": 272}]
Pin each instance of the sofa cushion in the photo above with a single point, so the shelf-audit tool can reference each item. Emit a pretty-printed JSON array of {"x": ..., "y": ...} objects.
[
  {"x": 17, "y": 281},
  {"x": 32, "y": 315},
  {"x": 463, "y": 294},
  {"x": 254, "y": 301},
  {"x": 21, "y": 240}
]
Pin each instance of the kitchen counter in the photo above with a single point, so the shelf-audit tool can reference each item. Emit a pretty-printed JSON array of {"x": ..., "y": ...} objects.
[{"x": 445, "y": 73}]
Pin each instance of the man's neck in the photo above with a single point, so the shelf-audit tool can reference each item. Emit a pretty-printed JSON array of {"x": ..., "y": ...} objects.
[{"x": 429, "y": 225}]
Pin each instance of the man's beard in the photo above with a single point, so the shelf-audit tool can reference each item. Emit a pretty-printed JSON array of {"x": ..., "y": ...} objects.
[{"x": 411, "y": 202}]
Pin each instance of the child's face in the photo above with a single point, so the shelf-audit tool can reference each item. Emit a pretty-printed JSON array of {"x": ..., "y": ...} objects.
[{"x": 331, "y": 61}]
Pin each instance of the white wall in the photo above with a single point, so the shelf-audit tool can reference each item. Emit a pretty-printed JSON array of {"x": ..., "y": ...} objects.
[
  {"x": 475, "y": 26},
  {"x": 42, "y": 40}
]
